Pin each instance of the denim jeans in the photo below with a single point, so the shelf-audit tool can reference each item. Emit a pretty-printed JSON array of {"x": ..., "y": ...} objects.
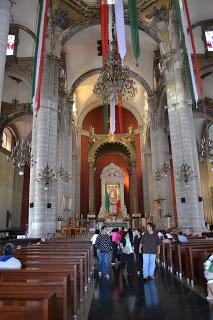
[
  {"x": 103, "y": 262},
  {"x": 148, "y": 264}
]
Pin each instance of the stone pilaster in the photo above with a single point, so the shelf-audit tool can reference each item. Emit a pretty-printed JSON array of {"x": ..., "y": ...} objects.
[
  {"x": 190, "y": 213},
  {"x": 42, "y": 220},
  {"x": 5, "y": 13},
  {"x": 160, "y": 155},
  {"x": 133, "y": 188},
  {"x": 65, "y": 155},
  {"x": 91, "y": 188}
]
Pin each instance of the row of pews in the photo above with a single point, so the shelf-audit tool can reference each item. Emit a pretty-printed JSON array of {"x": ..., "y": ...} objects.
[
  {"x": 51, "y": 283},
  {"x": 187, "y": 259}
]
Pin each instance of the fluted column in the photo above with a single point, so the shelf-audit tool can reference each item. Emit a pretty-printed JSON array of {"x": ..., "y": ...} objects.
[
  {"x": 91, "y": 188},
  {"x": 160, "y": 155},
  {"x": 5, "y": 14},
  {"x": 133, "y": 188},
  {"x": 189, "y": 213},
  {"x": 42, "y": 220}
]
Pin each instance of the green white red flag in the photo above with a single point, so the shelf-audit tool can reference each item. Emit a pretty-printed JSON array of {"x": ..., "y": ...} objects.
[{"x": 39, "y": 55}]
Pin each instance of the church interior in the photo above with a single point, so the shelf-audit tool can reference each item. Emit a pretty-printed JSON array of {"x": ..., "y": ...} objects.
[{"x": 106, "y": 118}]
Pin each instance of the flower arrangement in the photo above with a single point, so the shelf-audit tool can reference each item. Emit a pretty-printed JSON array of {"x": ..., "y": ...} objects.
[{"x": 60, "y": 218}]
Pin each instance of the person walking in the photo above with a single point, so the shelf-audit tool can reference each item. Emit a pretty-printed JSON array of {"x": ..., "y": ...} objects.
[
  {"x": 103, "y": 244},
  {"x": 116, "y": 237},
  {"x": 127, "y": 257},
  {"x": 93, "y": 240},
  {"x": 150, "y": 245},
  {"x": 138, "y": 255}
]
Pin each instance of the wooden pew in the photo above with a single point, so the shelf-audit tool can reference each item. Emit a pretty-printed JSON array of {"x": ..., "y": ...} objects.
[
  {"x": 63, "y": 280},
  {"x": 60, "y": 288},
  {"x": 16, "y": 305}
]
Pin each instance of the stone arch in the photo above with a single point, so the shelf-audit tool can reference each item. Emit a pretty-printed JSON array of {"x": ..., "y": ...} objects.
[
  {"x": 92, "y": 72},
  {"x": 27, "y": 30},
  {"x": 128, "y": 148},
  {"x": 144, "y": 25},
  {"x": 17, "y": 73},
  {"x": 92, "y": 106},
  {"x": 11, "y": 117}
]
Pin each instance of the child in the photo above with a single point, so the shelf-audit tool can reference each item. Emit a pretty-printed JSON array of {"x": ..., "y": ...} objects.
[{"x": 208, "y": 267}]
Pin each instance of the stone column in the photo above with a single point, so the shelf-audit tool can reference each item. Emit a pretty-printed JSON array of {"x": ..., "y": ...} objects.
[
  {"x": 190, "y": 213},
  {"x": 133, "y": 188},
  {"x": 64, "y": 154},
  {"x": 91, "y": 188},
  {"x": 42, "y": 220},
  {"x": 5, "y": 12}
]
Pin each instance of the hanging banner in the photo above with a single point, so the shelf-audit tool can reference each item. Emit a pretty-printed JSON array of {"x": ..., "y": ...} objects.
[
  {"x": 112, "y": 114},
  {"x": 134, "y": 28},
  {"x": 120, "y": 112},
  {"x": 104, "y": 27},
  {"x": 197, "y": 67},
  {"x": 120, "y": 28}
]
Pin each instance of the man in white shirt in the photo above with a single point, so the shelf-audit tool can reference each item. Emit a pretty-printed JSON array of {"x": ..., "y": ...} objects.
[{"x": 7, "y": 261}]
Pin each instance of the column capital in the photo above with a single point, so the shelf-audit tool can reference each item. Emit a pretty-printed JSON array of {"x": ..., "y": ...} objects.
[{"x": 91, "y": 164}]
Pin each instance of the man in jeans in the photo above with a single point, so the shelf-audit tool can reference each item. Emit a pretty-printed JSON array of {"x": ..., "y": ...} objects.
[
  {"x": 103, "y": 245},
  {"x": 150, "y": 246}
]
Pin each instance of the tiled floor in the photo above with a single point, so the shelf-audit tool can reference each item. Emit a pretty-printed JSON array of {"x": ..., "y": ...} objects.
[{"x": 164, "y": 298}]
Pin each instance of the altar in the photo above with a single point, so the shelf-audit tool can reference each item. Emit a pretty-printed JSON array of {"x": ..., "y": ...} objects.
[{"x": 113, "y": 209}]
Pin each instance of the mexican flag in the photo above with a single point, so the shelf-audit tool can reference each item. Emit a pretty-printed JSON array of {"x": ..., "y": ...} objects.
[
  {"x": 184, "y": 26},
  {"x": 107, "y": 203},
  {"x": 39, "y": 54}
]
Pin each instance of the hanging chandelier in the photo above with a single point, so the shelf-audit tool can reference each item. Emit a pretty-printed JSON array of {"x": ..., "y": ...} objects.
[
  {"x": 162, "y": 171},
  {"x": 206, "y": 150},
  {"x": 114, "y": 78},
  {"x": 47, "y": 176},
  {"x": 185, "y": 174},
  {"x": 63, "y": 174},
  {"x": 21, "y": 156}
]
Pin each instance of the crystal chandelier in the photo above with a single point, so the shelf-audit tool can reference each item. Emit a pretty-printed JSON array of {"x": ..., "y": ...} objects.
[
  {"x": 114, "y": 78},
  {"x": 63, "y": 174},
  {"x": 47, "y": 176},
  {"x": 206, "y": 150},
  {"x": 185, "y": 174},
  {"x": 21, "y": 156},
  {"x": 165, "y": 166},
  {"x": 162, "y": 171}
]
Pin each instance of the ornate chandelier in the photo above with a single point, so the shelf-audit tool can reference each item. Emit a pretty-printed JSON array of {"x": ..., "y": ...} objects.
[
  {"x": 162, "y": 171},
  {"x": 185, "y": 174},
  {"x": 114, "y": 78},
  {"x": 206, "y": 150},
  {"x": 46, "y": 176},
  {"x": 63, "y": 174},
  {"x": 21, "y": 156}
]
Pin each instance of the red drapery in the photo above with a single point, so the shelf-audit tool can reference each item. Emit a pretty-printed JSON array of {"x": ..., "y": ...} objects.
[
  {"x": 120, "y": 112},
  {"x": 104, "y": 27}
]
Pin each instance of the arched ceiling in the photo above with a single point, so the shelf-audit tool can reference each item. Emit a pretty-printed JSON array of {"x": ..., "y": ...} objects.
[{"x": 81, "y": 54}]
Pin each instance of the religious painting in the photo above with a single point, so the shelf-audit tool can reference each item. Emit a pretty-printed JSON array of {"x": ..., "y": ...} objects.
[{"x": 113, "y": 192}]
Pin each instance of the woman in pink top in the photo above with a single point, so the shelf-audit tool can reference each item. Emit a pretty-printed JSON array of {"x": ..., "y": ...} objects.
[{"x": 116, "y": 237}]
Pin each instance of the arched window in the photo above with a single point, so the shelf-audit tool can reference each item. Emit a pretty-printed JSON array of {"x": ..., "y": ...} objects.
[{"x": 7, "y": 139}]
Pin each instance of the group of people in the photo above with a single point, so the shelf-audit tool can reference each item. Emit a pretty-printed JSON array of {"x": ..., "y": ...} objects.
[{"x": 124, "y": 248}]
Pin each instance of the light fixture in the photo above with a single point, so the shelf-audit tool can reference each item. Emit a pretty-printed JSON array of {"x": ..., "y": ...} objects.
[
  {"x": 114, "y": 77},
  {"x": 185, "y": 174},
  {"x": 47, "y": 176},
  {"x": 63, "y": 174},
  {"x": 162, "y": 172},
  {"x": 206, "y": 151},
  {"x": 21, "y": 155}
]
